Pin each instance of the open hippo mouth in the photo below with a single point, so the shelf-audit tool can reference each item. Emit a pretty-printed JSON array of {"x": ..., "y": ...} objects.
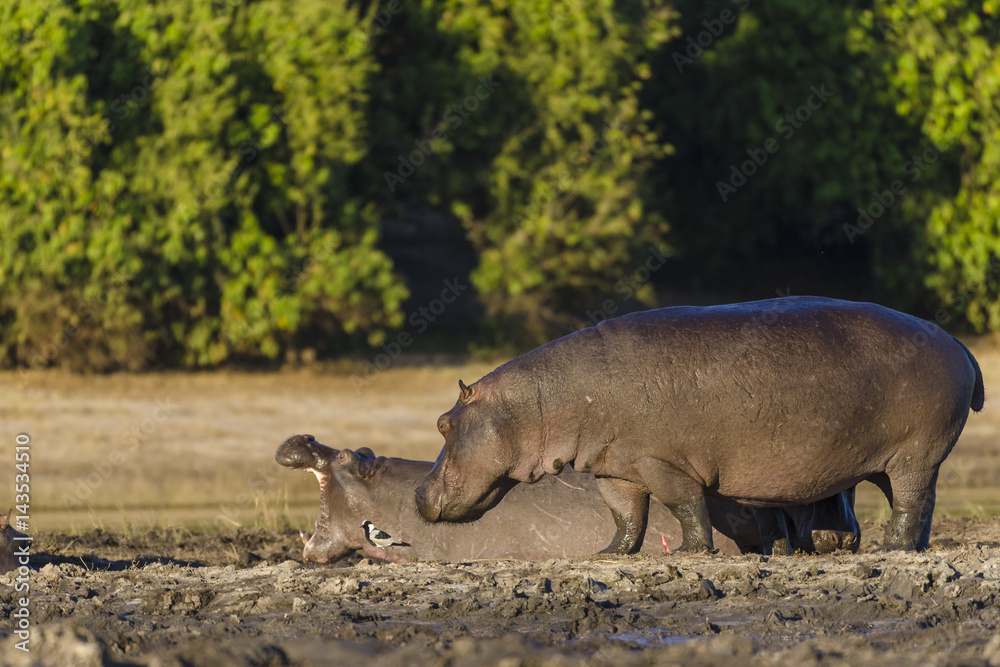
[{"x": 302, "y": 452}]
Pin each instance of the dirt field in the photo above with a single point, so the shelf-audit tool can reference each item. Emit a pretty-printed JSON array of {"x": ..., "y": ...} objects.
[
  {"x": 173, "y": 598},
  {"x": 166, "y": 535}
]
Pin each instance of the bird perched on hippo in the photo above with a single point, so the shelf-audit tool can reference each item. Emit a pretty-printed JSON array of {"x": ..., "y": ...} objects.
[{"x": 768, "y": 403}]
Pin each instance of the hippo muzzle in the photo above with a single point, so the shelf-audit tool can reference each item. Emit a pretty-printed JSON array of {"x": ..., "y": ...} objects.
[{"x": 436, "y": 501}]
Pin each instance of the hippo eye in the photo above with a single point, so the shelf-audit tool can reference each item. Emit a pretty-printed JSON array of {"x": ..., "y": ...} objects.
[{"x": 444, "y": 425}]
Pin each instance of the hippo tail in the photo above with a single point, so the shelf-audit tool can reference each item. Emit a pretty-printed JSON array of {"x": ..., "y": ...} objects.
[{"x": 978, "y": 391}]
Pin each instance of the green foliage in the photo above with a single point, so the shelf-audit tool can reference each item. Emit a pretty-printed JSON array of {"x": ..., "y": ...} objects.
[
  {"x": 947, "y": 78},
  {"x": 803, "y": 76},
  {"x": 176, "y": 183},
  {"x": 190, "y": 181},
  {"x": 544, "y": 145},
  {"x": 566, "y": 213},
  {"x": 914, "y": 104}
]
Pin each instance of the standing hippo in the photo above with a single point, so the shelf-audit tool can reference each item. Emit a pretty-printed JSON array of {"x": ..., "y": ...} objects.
[
  {"x": 562, "y": 517},
  {"x": 769, "y": 403},
  {"x": 9, "y": 560}
]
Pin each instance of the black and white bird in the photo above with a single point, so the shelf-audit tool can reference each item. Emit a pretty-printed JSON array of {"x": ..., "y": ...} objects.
[{"x": 379, "y": 538}]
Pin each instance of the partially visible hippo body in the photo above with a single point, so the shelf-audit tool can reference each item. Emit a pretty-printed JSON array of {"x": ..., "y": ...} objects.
[
  {"x": 821, "y": 527},
  {"x": 563, "y": 516},
  {"x": 770, "y": 403},
  {"x": 8, "y": 559}
]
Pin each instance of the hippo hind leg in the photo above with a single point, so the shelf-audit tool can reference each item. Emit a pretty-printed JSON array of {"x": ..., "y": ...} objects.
[
  {"x": 912, "y": 497},
  {"x": 629, "y": 505}
]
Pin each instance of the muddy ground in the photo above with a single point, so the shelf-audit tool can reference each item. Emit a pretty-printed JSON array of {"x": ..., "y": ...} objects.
[{"x": 171, "y": 597}]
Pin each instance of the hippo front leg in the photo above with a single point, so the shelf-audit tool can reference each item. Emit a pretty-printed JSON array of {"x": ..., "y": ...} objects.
[
  {"x": 684, "y": 497},
  {"x": 629, "y": 505}
]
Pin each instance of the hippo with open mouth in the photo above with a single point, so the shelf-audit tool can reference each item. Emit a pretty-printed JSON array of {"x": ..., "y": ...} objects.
[
  {"x": 562, "y": 516},
  {"x": 770, "y": 403}
]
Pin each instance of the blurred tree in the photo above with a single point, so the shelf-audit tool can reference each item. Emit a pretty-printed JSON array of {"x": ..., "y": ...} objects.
[
  {"x": 180, "y": 172},
  {"x": 525, "y": 121},
  {"x": 946, "y": 78},
  {"x": 191, "y": 181},
  {"x": 889, "y": 170}
]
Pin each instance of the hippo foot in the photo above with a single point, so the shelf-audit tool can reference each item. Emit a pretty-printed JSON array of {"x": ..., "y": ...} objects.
[
  {"x": 620, "y": 546},
  {"x": 604, "y": 553},
  {"x": 781, "y": 547},
  {"x": 905, "y": 532}
]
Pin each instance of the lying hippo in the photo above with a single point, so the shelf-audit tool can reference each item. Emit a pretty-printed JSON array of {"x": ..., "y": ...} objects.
[
  {"x": 8, "y": 558},
  {"x": 562, "y": 517},
  {"x": 768, "y": 403},
  {"x": 356, "y": 487}
]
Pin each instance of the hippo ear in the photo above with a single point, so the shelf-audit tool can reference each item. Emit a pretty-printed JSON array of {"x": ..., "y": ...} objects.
[
  {"x": 467, "y": 395},
  {"x": 369, "y": 465}
]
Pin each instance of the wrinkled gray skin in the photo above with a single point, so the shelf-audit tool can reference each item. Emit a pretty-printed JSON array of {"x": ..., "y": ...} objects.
[
  {"x": 768, "y": 403},
  {"x": 560, "y": 517},
  {"x": 8, "y": 561}
]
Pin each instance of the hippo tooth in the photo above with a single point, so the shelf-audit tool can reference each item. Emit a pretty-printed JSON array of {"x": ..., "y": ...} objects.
[{"x": 305, "y": 538}]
